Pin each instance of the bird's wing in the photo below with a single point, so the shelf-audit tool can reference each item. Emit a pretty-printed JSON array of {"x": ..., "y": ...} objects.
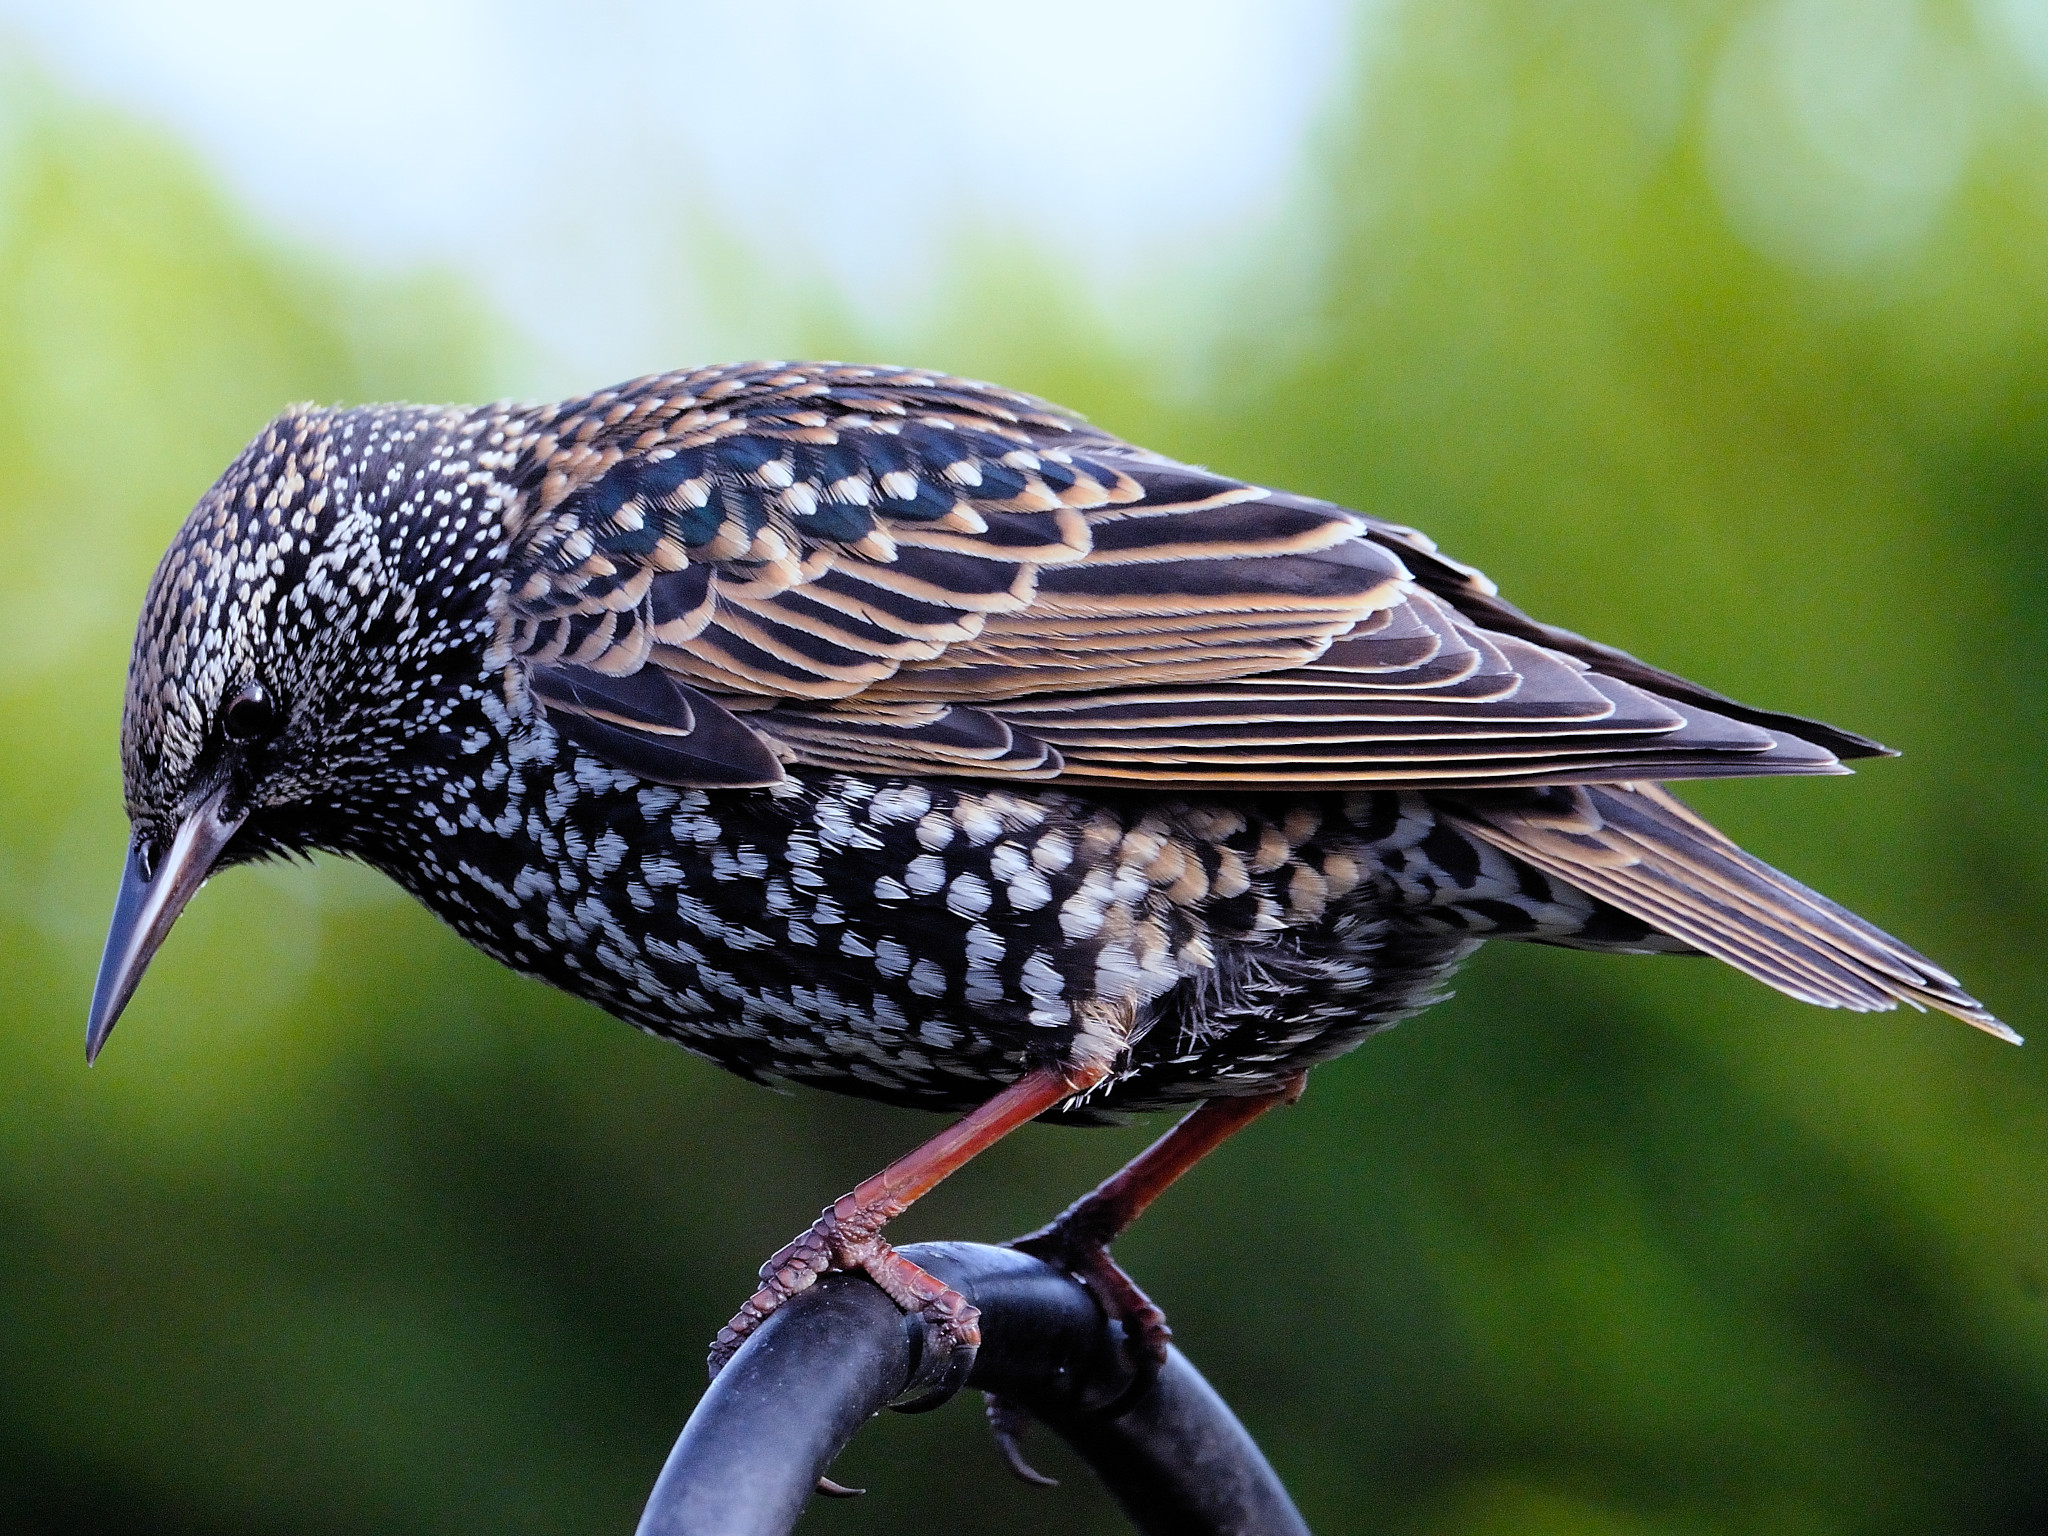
[
  {"x": 1637, "y": 847},
  {"x": 1468, "y": 590},
  {"x": 880, "y": 570}
]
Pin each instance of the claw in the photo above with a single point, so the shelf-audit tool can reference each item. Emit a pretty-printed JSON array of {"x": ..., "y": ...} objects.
[
  {"x": 832, "y": 1490},
  {"x": 844, "y": 1237},
  {"x": 1007, "y": 1423},
  {"x": 946, "y": 1360}
]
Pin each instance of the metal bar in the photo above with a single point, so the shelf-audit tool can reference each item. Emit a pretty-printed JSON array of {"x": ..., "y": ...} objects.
[
  {"x": 1179, "y": 1461},
  {"x": 1174, "y": 1455}
]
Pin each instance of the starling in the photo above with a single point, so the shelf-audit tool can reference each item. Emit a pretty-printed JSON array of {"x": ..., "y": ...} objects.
[{"x": 911, "y": 737}]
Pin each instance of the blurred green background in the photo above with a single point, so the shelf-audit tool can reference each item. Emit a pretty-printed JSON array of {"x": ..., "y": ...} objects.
[{"x": 1735, "y": 360}]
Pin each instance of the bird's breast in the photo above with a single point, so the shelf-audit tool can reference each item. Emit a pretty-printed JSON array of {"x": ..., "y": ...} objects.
[{"x": 922, "y": 941}]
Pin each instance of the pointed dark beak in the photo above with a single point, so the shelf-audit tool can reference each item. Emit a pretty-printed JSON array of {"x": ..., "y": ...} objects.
[{"x": 149, "y": 903}]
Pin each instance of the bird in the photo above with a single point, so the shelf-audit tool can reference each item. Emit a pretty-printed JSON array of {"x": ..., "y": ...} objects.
[{"x": 913, "y": 738}]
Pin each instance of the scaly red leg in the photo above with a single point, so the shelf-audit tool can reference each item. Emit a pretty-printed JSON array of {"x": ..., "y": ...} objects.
[
  {"x": 848, "y": 1234},
  {"x": 1078, "y": 1239}
]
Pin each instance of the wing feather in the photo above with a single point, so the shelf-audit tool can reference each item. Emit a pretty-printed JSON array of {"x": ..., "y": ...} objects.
[
  {"x": 1637, "y": 847},
  {"x": 883, "y": 569}
]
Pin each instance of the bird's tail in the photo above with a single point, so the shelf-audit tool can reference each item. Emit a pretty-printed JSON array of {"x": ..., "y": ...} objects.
[{"x": 1637, "y": 847}]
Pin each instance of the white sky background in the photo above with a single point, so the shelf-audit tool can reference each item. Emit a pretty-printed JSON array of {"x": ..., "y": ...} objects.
[{"x": 556, "y": 155}]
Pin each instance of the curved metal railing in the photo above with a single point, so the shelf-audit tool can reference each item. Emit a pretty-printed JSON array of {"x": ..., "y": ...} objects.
[{"x": 1171, "y": 1452}]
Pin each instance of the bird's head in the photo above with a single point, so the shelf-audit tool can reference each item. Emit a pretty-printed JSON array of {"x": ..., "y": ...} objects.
[{"x": 315, "y": 622}]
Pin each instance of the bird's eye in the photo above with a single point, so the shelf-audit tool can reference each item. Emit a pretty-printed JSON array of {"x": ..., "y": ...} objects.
[{"x": 250, "y": 715}]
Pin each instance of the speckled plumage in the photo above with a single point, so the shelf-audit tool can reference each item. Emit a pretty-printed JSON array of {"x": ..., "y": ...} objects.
[{"x": 897, "y": 734}]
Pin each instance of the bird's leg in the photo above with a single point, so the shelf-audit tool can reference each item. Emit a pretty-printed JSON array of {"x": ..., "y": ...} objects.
[
  {"x": 848, "y": 1234},
  {"x": 1078, "y": 1239}
]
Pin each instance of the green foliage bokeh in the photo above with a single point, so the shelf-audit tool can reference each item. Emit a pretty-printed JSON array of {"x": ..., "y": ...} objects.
[{"x": 352, "y": 1230}]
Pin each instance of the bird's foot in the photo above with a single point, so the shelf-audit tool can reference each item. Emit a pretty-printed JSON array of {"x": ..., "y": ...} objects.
[
  {"x": 1067, "y": 1244},
  {"x": 847, "y": 1236},
  {"x": 1143, "y": 1334}
]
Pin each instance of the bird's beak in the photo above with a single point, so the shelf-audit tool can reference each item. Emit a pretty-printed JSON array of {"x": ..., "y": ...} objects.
[{"x": 149, "y": 903}]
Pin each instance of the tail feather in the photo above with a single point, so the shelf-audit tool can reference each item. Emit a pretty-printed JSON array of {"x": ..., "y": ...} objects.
[{"x": 1638, "y": 848}]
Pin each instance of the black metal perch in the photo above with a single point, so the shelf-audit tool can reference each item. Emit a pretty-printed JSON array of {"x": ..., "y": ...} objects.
[{"x": 1173, "y": 1454}]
